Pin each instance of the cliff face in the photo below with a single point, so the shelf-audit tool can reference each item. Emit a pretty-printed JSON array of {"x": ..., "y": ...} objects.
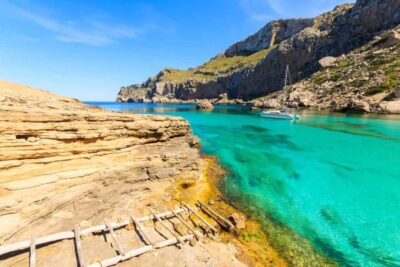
[
  {"x": 297, "y": 43},
  {"x": 62, "y": 161},
  {"x": 216, "y": 76},
  {"x": 365, "y": 80},
  {"x": 271, "y": 34}
]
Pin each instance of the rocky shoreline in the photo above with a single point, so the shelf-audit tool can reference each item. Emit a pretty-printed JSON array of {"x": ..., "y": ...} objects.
[{"x": 64, "y": 163}]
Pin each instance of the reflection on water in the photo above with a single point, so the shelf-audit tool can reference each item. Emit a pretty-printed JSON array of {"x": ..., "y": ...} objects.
[{"x": 332, "y": 179}]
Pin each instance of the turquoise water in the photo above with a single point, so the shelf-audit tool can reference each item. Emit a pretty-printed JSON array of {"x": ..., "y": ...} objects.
[{"x": 333, "y": 179}]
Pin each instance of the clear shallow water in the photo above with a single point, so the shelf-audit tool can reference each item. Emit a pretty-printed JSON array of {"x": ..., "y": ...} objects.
[{"x": 333, "y": 179}]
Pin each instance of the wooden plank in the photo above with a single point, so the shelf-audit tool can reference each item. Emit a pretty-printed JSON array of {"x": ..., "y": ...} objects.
[
  {"x": 78, "y": 245},
  {"x": 197, "y": 235},
  {"x": 32, "y": 252},
  {"x": 141, "y": 231},
  {"x": 228, "y": 223},
  {"x": 100, "y": 228},
  {"x": 23, "y": 245},
  {"x": 212, "y": 228},
  {"x": 165, "y": 226},
  {"x": 139, "y": 251},
  {"x": 114, "y": 237}
]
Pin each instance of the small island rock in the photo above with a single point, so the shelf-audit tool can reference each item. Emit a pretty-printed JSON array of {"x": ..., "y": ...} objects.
[{"x": 204, "y": 105}]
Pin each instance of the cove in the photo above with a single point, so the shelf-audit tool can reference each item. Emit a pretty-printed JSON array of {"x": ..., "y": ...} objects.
[{"x": 332, "y": 179}]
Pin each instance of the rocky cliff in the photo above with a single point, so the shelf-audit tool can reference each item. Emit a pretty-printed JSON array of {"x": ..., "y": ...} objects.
[
  {"x": 63, "y": 162},
  {"x": 365, "y": 80},
  {"x": 256, "y": 66},
  {"x": 215, "y": 77}
]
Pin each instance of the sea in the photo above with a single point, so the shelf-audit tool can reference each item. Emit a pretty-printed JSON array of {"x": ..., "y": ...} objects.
[{"x": 330, "y": 181}]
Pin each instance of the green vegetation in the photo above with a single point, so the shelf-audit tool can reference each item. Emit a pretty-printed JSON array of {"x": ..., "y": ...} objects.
[
  {"x": 382, "y": 65},
  {"x": 391, "y": 68},
  {"x": 223, "y": 64},
  {"x": 181, "y": 75},
  {"x": 215, "y": 67},
  {"x": 247, "y": 237}
]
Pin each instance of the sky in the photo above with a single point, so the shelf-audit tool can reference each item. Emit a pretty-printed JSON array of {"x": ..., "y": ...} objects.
[{"x": 88, "y": 49}]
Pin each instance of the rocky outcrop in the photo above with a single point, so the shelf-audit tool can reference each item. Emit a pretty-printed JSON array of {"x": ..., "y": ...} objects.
[
  {"x": 161, "y": 88},
  {"x": 365, "y": 80},
  {"x": 204, "y": 105},
  {"x": 327, "y": 62},
  {"x": 271, "y": 34},
  {"x": 63, "y": 162},
  {"x": 133, "y": 93},
  {"x": 301, "y": 44}
]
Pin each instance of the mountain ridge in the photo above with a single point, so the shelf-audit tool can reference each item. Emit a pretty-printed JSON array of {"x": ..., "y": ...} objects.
[{"x": 255, "y": 67}]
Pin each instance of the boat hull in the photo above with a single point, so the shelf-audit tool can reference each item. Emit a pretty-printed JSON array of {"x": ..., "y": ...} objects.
[{"x": 279, "y": 117}]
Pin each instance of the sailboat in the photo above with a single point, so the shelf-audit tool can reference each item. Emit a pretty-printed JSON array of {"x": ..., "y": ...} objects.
[{"x": 284, "y": 113}]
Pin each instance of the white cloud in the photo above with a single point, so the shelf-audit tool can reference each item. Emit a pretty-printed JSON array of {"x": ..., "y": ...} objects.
[{"x": 94, "y": 33}]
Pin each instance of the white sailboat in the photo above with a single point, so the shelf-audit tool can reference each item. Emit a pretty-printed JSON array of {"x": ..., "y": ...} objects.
[{"x": 284, "y": 113}]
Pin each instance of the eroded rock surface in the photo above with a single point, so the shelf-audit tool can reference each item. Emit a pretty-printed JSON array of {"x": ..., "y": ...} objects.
[{"x": 64, "y": 162}]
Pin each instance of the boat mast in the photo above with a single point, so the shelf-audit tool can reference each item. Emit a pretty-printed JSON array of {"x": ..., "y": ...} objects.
[{"x": 287, "y": 76}]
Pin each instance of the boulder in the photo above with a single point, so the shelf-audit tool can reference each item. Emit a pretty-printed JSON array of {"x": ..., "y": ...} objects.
[
  {"x": 223, "y": 96},
  {"x": 358, "y": 106},
  {"x": 235, "y": 217},
  {"x": 327, "y": 62},
  {"x": 390, "y": 106},
  {"x": 392, "y": 39},
  {"x": 271, "y": 103},
  {"x": 204, "y": 105},
  {"x": 256, "y": 104},
  {"x": 238, "y": 220}
]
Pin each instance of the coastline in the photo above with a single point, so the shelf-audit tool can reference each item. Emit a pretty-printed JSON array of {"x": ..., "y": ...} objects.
[
  {"x": 255, "y": 250},
  {"x": 263, "y": 242},
  {"x": 269, "y": 102}
]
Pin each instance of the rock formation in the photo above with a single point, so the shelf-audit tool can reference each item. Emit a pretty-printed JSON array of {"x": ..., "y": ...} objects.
[
  {"x": 64, "y": 162},
  {"x": 256, "y": 66},
  {"x": 214, "y": 78},
  {"x": 365, "y": 80},
  {"x": 204, "y": 105},
  {"x": 271, "y": 34}
]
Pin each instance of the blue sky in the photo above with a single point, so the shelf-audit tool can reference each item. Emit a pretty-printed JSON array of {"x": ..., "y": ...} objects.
[{"x": 87, "y": 49}]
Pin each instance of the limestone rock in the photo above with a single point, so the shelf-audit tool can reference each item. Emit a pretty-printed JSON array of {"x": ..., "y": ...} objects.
[
  {"x": 271, "y": 34},
  {"x": 357, "y": 106},
  {"x": 234, "y": 217},
  {"x": 63, "y": 162},
  {"x": 204, "y": 105},
  {"x": 391, "y": 106},
  {"x": 238, "y": 220},
  {"x": 271, "y": 103},
  {"x": 391, "y": 39},
  {"x": 327, "y": 62}
]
